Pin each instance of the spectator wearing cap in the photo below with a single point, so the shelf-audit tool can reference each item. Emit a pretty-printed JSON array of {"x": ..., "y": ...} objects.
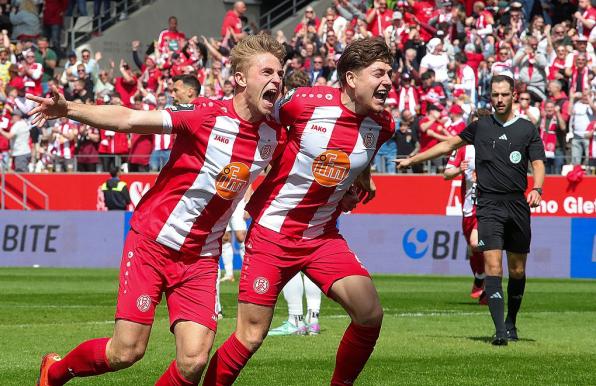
[
  {"x": 515, "y": 19},
  {"x": 436, "y": 60},
  {"x": 532, "y": 68},
  {"x": 455, "y": 124},
  {"x": 464, "y": 77},
  {"x": 397, "y": 32},
  {"x": 378, "y": 17},
  {"x": 407, "y": 95},
  {"x": 585, "y": 18},
  {"x": 19, "y": 141},
  {"x": 25, "y": 21}
]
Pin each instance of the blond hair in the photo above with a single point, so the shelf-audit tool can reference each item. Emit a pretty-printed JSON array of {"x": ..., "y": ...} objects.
[{"x": 253, "y": 45}]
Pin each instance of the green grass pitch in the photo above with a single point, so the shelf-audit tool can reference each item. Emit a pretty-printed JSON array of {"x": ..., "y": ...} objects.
[{"x": 433, "y": 333}]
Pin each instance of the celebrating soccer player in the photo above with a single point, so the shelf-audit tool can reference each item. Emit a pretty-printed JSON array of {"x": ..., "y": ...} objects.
[
  {"x": 175, "y": 240},
  {"x": 334, "y": 134},
  {"x": 504, "y": 144}
]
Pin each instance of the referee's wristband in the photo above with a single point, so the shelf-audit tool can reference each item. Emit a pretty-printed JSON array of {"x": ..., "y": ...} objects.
[{"x": 539, "y": 190}]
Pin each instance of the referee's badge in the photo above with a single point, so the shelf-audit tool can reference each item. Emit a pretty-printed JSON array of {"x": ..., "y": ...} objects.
[{"x": 515, "y": 157}]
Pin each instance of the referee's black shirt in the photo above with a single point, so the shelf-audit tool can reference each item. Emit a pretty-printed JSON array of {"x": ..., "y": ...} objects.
[{"x": 502, "y": 153}]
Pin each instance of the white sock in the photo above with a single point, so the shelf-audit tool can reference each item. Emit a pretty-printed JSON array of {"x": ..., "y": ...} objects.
[
  {"x": 242, "y": 250},
  {"x": 217, "y": 300},
  {"x": 313, "y": 300},
  {"x": 293, "y": 293},
  {"x": 227, "y": 255}
]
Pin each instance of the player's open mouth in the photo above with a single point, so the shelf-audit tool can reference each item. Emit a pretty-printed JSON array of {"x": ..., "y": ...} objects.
[
  {"x": 271, "y": 95},
  {"x": 381, "y": 95}
]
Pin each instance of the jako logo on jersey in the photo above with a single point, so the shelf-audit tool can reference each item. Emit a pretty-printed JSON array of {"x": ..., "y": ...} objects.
[
  {"x": 319, "y": 128},
  {"x": 411, "y": 247},
  {"x": 222, "y": 139},
  {"x": 331, "y": 167},
  {"x": 143, "y": 303},
  {"x": 260, "y": 285},
  {"x": 232, "y": 180}
]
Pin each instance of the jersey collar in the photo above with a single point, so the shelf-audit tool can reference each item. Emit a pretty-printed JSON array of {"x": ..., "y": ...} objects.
[{"x": 505, "y": 124}]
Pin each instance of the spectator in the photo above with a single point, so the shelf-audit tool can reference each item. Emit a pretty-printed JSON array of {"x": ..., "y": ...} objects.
[
  {"x": 62, "y": 144},
  {"x": 115, "y": 192},
  {"x": 53, "y": 21},
  {"x": 582, "y": 110},
  {"x": 388, "y": 151},
  {"x": 4, "y": 66},
  {"x": 585, "y": 18},
  {"x": 81, "y": 6},
  {"x": 580, "y": 75},
  {"x": 465, "y": 77},
  {"x": 4, "y": 141},
  {"x": 431, "y": 132},
  {"x": 171, "y": 39},
  {"x": 232, "y": 23},
  {"x": 19, "y": 142},
  {"x": 125, "y": 85},
  {"x": 112, "y": 145},
  {"x": 100, "y": 19},
  {"x": 525, "y": 110},
  {"x": 45, "y": 56},
  {"x": 25, "y": 21},
  {"x": 309, "y": 19},
  {"x": 91, "y": 64},
  {"x": 532, "y": 69},
  {"x": 141, "y": 145},
  {"x": 32, "y": 73},
  {"x": 431, "y": 92},
  {"x": 87, "y": 154},
  {"x": 407, "y": 95},
  {"x": 406, "y": 138},
  {"x": 379, "y": 17},
  {"x": 318, "y": 70},
  {"x": 552, "y": 126},
  {"x": 436, "y": 60},
  {"x": 397, "y": 32},
  {"x": 333, "y": 21},
  {"x": 103, "y": 87}
]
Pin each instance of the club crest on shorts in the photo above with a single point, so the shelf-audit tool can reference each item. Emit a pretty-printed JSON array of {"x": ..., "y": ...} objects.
[
  {"x": 331, "y": 167},
  {"x": 515, "y": 157},
  {"x": 232, "y": 180},
  {"x": 369, "y": 140},
  {"x": 260, "y": 285},
  {"x": 143, "y": 303}
]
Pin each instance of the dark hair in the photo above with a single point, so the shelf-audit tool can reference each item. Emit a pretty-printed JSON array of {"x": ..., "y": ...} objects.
[
  {"x": 427, "y": 75},
  {"x": 361, "y": 54},
  {"x": 460, "y": 57},
  {"x": 190, "y": 81},
  {"x": 296, "y": 78},
  {"x": 502, "y": 78},
  {"x": 114, "y": 170}
]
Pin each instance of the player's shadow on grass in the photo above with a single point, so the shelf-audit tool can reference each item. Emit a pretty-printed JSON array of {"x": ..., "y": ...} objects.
[{"x": 489, "y": 339}]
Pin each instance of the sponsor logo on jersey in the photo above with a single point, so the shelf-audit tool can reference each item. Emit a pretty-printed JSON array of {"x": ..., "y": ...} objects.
[
  {"x": 331, "y": 167},
  {"x": 260, "y": 285},
  {"x": 515, "y": 157},
  {"x": 222, "y": 139},
  {"x": 319, "y": 128},
  {"x": 143, "y": 303},
  {"x": 232, "y": 180}
]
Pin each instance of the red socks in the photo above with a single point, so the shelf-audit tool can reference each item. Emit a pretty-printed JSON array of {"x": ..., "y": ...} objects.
[
  {"x": 226, "y": 363},
  {"x": 172, "y": 377},
  {"x": 353, "y": 352},
  {"x": 88, "y": 358},
  {"x": 477, "y": 262}
]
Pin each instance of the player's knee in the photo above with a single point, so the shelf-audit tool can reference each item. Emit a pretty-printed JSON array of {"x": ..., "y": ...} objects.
[
  {"x": 517, "y": 272},
  {"x": 252, "y": 337},
  {"x": 122, "y": 358},
  {"x": 227, "y": 237},
  {"x": 191, "y": 366},
  {"x": 240, "y": 236},
  {"x": 371, "y": 318}
]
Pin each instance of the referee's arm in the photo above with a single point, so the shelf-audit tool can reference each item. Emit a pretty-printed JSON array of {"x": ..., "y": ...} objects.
[{"x": 441, "y": 148}]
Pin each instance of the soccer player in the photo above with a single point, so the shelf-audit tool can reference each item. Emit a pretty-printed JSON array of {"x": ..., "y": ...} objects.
[
  {"x": 504, "y": 145},
  {"x": 174, "y": 244},
  {"x": 334, "y": 135}
]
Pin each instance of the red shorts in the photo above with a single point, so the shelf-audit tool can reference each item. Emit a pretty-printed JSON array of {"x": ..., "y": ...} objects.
[
  {"x": 468, "y": 225},
  {"x": 272, "y": 259},
  {"x": 149, "y": 269}
]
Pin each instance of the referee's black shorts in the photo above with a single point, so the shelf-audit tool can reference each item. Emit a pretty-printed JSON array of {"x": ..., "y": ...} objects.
[{"x": 503, "y": 222}]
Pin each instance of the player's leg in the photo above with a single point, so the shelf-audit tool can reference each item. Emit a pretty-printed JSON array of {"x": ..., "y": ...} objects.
[
  {"x": 359, "y": 298},
  {"x": 238, "y": 225},
  {"x": 193, "y": 344},
  {"x": 240, "y": 237},
  {"x": 139, "y": 293},
  {"x": 515, "y": 290},
  {"x": 227, "y": 256},
  {"x": 190, "y": 296},
  {"x": 342, "y": 277},
  {"x": 313, "y": 306},
  {"x": 293, "y": 292},
  {"x": 477, "y": 265},
  {"x": 218, "y": 307}
]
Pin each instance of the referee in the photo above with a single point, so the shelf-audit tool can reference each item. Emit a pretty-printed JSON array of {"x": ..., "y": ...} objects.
[{"x": 504, "y": 144}]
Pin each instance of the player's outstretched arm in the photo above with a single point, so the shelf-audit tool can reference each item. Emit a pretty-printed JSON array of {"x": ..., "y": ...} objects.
[
  {"x": 441, "y": 148},
  {"x": 116, "y": 118}
]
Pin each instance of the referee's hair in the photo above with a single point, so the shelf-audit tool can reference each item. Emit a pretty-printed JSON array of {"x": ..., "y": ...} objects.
[
  {"x": 362, "y": 53},
  {"x": 502, "y": 78},
  {"x": 189, "y": 81}
]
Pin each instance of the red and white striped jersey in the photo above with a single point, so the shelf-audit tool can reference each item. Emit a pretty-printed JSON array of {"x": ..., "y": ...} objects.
[
  {"x": 162, "y": 141},
  {"x": 215, "y": 157},
  {"x": 467, "y": 153},
  {"x": 61, "y": 146},
  {"x": 328, "y": 147}
]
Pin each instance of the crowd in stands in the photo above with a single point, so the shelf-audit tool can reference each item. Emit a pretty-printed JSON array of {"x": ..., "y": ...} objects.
[{"x": 445, "y": 55}]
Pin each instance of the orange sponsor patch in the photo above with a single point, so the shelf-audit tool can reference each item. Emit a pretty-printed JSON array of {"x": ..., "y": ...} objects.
[
  {"x": 232, "y": 180},
  {"x": 331, "y": 167}
]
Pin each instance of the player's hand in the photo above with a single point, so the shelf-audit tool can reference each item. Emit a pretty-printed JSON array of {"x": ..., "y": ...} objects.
[
  {"x": 366, "y": 188},
  {"x": 350, "y": 200},
  {"x": 534, "y": 199},
  {"x": 403, "y": 163},
  {"x": 465, "y": 164},
  {"x": 48, "y": 108}
]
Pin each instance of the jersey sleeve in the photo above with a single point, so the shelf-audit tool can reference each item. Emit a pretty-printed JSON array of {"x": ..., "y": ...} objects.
[
  {"x": 536, "y": 147},
  {"x": 469, "y": 133},
  {"x": 178, "y": 118},
  {"x": 456, "y": 158},
  {"x": 287, "y": 108}
]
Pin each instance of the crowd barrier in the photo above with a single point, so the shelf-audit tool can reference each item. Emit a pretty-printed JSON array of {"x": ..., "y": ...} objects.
[{"x": 562, "y": 247}]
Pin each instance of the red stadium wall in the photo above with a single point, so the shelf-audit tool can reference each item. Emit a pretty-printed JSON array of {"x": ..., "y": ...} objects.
[{"x": 404, "y": 194}]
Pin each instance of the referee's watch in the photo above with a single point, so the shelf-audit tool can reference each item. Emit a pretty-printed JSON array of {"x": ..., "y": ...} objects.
[{"x": 539, "y": 190}]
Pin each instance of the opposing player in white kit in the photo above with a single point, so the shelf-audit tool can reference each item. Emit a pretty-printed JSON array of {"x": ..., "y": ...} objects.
[{"x": 174, "y": 245}]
